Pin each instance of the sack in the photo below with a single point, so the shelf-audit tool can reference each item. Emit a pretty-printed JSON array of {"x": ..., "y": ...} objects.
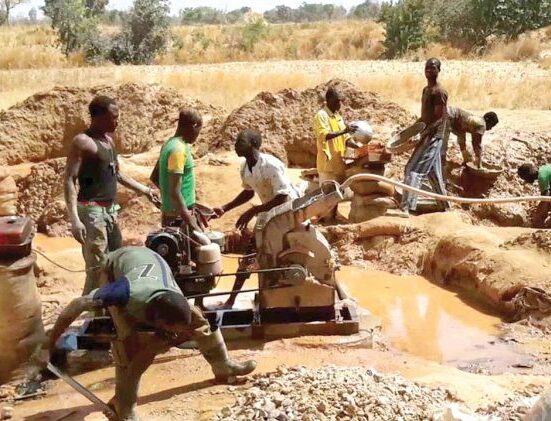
[
  {"x": 7, "y": 185},
  {"x": 370, "y": 187},
  {"x": 21, "y": 328}
]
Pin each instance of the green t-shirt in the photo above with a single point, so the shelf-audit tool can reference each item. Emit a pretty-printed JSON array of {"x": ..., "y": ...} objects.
[
  {"x": 176, "y": 158},
  {"x": 544, "y": 179}
]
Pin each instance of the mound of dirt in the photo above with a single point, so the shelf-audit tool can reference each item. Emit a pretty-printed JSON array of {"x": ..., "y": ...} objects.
[
  {"x": 43, "y": 125},
  {"x": 508, "y": 267},
  {"x": 285, "y": 119}
]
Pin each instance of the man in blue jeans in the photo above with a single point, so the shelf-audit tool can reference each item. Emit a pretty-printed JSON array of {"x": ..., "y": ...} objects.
[{"x": 426, "y": 160}]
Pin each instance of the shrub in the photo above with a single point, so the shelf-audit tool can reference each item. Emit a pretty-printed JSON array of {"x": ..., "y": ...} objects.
[
  {"x": 145, "y": 33},
  {"x": 405, "y": 26}
]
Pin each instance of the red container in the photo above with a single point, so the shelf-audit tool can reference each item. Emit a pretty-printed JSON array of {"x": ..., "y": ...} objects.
[{"x": 16, "y": 235}]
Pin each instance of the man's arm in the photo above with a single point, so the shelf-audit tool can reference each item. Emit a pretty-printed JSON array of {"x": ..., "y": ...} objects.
[
  {"x": 154, "y": 177},
  {"x": 255, "y": 210},
  {"x": 175, "y": 192},
  {"x": 69, "y": 315},
  {"x": 239, "y": 200},
  {"x": 72, "y": 168},
  {"x": 462, "y": 142},
  {"x": 476, "y": 140}
]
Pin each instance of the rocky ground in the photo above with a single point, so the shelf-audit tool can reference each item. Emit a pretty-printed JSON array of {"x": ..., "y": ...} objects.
[{"x": 489, "y": 253}]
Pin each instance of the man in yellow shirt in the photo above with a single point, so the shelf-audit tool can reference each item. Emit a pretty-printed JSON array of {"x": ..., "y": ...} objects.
[{"x": 332, "y": 137}]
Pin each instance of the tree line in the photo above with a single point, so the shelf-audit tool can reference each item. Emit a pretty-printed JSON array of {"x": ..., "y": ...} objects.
[{"x": 409, "y": 24}]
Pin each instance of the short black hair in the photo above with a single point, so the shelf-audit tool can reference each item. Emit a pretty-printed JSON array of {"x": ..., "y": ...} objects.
[
  {"x": 100, "y": 105},
  {"x": 491, "y": 118},
  {"x": 170, "y": 307},
  {"x": 251, "y": 136},
  {"x": 435, "y": 61},
  {"x": 526, "y": 172},
  {"x": 332, "y": 92},
  {"x": 188, "y": 117}
]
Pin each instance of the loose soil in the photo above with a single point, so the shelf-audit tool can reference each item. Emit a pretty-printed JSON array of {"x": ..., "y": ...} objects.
[{"x": 444, "y": 338}]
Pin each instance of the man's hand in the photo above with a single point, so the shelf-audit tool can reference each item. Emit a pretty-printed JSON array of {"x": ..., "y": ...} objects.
[
  {"x": 78, "y": 230},
  {"x": 466, "y": 157},
  {"x": 154, "y": 197},
  {"x": 244, "y": 219},
  {"x": 218, "y": 212},
  {"x": 192, "y": 225},
  {"x": 351, "y": 143},
  {"x": 351, "y": 128}
]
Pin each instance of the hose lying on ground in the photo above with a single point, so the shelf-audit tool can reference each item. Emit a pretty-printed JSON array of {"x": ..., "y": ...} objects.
[{"x": 441, "y": 197}]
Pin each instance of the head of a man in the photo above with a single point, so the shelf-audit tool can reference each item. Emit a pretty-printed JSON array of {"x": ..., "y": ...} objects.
[
  {"x": 169, "y": 311},
  {"x": 247, "y": 141},
  {"x": 104, "y": 114},
  {"x": 333, "y": 99},
  {"x": 432, "y": 69},
  {"x": 528, "y": 172},
  {"x": 491, "y": 120},
  {"x": 190, "y": 124}
]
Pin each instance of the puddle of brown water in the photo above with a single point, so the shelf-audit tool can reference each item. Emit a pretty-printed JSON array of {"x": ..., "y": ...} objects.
[
  {"x": 426, "y": 320},
  {"x": 418, "y": 317}
]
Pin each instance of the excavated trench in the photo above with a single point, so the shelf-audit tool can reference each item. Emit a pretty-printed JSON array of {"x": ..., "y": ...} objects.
[{"x": 437, "y": 288}]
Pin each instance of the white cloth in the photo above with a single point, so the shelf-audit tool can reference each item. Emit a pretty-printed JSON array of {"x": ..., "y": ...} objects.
[{"x": 268, "y": 179}]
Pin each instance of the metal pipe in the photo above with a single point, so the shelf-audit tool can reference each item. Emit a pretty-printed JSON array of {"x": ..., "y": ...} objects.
[{"x": 441, "y": 197}]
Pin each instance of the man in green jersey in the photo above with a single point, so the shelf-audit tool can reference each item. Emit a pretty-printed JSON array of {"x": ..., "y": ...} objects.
[
  {"x": 174, "y": 173},
  {"x": 139, "y": 289},
  {"x": 530, "y": 173}
]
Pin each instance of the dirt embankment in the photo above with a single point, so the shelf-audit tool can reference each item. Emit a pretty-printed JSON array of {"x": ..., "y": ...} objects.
[
  {"x": 42, "y": 126},
  {"x": 285, "y": 119},
  {"x": 39, "y": 128},
  {"x": 508, "y": 267}
]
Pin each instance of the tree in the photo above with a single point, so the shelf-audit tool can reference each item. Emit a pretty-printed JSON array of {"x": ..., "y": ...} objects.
[
  {"x": 369, "y": 9},
  {"x": 7, "y": 6},
  {"x": 144, "y": 34},
  {"x": 76, "y": 22},
  {"x": 405, "y": 26},
  {"x": 472, "y": 21},
  {"x": 280, "y": 14},
  {"x": 33, "y": 16},
  {"x": 196, "y": 15}
]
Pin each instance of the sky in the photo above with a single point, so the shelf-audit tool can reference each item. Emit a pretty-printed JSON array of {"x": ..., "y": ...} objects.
[{"x": 256, "y": 5}]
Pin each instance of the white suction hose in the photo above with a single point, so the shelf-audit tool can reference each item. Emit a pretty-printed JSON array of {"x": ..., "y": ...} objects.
[{"x": 464, "y": 200}]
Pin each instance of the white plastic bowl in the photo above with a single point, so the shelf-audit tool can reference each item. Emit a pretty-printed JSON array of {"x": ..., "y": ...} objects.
[{"x": 364, "y": 131}]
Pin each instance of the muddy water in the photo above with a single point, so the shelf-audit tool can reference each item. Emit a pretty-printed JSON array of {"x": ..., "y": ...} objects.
[
  {"x": 426, "y": 320},
  {"x": 417, "y": 316}
]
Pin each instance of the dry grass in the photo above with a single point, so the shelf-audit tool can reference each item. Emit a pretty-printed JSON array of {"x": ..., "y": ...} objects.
[
  {"x": 519, "y": 50},
  {"x": 322, "y": 40},
  {"x": 472, "y": 84}
]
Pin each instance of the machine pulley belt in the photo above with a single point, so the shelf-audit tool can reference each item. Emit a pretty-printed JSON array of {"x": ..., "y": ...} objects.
[
  {"x": 238, "y": 291},
  {"x": 248, "y": 272}
]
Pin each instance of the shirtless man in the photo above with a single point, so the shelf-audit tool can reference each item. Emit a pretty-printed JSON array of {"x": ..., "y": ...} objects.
[
  {"x": 92, "y": 162},
  {"x": 463, "y": 122},
  {"x": 426, "y": 160}
]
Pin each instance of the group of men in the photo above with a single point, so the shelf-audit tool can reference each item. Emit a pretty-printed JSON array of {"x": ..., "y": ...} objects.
[{"x": 136, "y": 286}]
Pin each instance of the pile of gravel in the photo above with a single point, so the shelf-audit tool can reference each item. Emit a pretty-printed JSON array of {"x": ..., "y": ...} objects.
[{"x": 330, "y": 393}]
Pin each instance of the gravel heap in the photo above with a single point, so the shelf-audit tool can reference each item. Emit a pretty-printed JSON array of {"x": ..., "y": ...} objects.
[{"x": 331, "y": 393}]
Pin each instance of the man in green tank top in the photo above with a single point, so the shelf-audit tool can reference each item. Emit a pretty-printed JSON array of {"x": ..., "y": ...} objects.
[
  {"x": 174, "y": 172},
  {"x": 140, "y": 289}
]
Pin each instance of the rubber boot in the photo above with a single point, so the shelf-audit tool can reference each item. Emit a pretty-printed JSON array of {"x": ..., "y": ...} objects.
[{"x": 214, "y": 350}]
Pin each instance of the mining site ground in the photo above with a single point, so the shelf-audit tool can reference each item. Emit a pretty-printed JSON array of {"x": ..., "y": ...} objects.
[{"x": 432, "y": 288}]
